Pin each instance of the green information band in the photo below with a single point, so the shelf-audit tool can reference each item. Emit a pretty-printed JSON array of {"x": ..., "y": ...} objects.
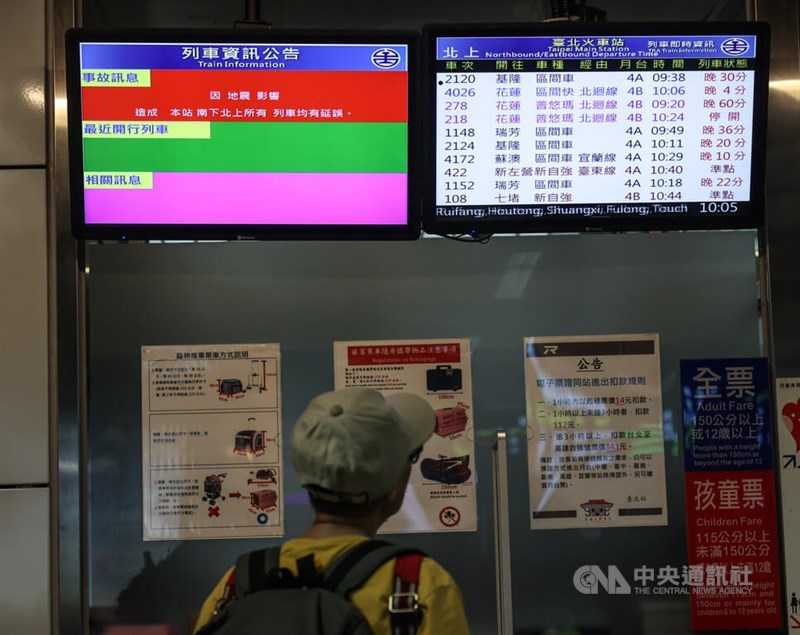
[{"x": 259, "y": 147}]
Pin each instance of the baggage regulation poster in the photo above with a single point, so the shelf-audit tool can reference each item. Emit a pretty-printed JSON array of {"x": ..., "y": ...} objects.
[
  {"x": 788, "y": 405},
  {"x": 595, "y": 435},
  {"x": 211, "y": 436},
  {"x": 441, "y": 491}
]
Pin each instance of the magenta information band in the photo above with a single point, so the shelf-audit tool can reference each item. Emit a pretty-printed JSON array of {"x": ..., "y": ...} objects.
[{"x": 285, "y": 198}]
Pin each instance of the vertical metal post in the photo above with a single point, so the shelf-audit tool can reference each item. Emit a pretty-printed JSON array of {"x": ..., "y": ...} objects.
[
  {"x": 252, "y": 17},
  {"x": 502, "y": 537},
  {"x": 67, "y": 458},
  {"x": 252, "y": 11},
  {"x": 781, "y": 233}
]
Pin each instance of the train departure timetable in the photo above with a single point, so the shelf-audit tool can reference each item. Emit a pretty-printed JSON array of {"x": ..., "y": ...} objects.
[{"x": 543, "y": 131}]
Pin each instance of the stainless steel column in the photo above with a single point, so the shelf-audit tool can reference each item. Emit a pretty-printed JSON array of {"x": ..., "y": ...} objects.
[
  {"x": 502, "y": 536},
  {"x": 68, "y": 533},
  {"x": 781, "y": 236},
  {"x": 782, "y": 230}
]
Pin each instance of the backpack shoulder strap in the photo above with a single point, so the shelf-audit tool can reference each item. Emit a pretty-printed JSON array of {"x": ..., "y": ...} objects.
[
  {"x": 257, "y": 570},
  {"x": 404, "y": 609},
  {"x": 354, "y": 567}
]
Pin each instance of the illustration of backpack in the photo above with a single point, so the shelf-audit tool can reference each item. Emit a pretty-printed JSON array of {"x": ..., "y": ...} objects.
[{"x": 263, "y": 599}]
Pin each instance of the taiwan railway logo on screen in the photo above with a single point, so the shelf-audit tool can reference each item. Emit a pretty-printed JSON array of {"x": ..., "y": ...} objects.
[
  {"x": 735, "y": 46},
  {"x": 385, "y": 58}
]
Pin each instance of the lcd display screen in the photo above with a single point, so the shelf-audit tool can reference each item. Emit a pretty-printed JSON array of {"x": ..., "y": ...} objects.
[
  {"x": 595, "y": 127},
  {"x": 242, "y": 134}
]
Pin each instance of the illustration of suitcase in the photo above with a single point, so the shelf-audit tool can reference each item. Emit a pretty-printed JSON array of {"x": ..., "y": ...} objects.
[
  {"x": 450, "y": 470},
  {"x": 443, "y": 377},
  {"x": 450, "y": 421},
  {"x": 264, "y": 499},
  {"x": 230, "y": 386}
]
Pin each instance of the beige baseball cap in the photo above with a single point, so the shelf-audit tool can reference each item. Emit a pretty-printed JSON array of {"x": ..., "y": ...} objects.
[{"x": 351, "y": 445}]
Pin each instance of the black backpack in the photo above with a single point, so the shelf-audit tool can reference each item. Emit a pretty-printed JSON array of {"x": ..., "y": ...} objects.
[{"x": 263, "y": 599}]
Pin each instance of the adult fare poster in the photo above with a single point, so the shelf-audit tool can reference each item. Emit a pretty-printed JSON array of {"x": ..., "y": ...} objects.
[
  {"x": 595, "y": 445},
  {"x": 731, "y": 517},
  {"x": 211, "y": 437},
  {"x": 441, "y": 491}
]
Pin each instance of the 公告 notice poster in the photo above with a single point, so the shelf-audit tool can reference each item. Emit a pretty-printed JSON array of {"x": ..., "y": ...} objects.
[
  {"x": 787, "y": 396},
  {"x": 731, "y": 522},
  {"x": 441, "y": 490},
  {"x": 211, "y": 434},
  {"x": 595, "y": 435}
]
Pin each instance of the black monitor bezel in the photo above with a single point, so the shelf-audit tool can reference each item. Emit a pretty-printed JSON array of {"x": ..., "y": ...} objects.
[
  {"x": 125, "y": 232},
  {"x": 474, "y": 228}
]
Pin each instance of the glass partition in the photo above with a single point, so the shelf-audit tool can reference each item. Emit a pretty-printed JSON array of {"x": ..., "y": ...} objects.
[{"x": 697, "y": 290}]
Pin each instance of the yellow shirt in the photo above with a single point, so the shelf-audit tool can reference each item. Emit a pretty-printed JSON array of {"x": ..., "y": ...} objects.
[{"x": 439, "y": 597}]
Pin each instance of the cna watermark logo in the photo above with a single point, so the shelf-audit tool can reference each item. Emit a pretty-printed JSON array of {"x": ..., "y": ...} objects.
[
  {"x": 707, "y": 580},
  {"x": 590, "y": 578}
]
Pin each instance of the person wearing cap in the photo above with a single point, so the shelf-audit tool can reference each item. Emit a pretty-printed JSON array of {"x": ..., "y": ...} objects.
[{"x": 352, "y": 450}]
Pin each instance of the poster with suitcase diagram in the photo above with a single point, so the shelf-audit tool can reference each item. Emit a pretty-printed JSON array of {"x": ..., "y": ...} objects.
[
  {"x": 211, "y": 442},
  {"x": 441, "y": 491},
  {"x": 787, "y": 401}
]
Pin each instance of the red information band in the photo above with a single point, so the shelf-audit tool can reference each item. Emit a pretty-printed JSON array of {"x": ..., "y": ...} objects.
[
  {"x": 178, "y": 95},
  {"x": 378, "y": 355},
  {"x": 733, "y": 541}
]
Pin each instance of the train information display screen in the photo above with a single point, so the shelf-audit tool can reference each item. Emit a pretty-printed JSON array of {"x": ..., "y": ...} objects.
[
  {"x": 581, "y": 127},
  {"x": 242, "y": 134}
]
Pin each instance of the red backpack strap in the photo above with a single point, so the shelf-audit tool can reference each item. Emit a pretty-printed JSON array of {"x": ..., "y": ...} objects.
[{"x": 404, "y": 608}]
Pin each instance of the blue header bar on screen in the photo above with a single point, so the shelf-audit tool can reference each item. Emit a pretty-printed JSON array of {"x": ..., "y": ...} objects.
[
  {"x": 244, "y": 56},
  {"x": 596, "y": 47}
]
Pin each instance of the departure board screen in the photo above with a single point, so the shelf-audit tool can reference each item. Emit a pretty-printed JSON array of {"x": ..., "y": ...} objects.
[
  {"x": 242, "y": 134},
  {"x": 595, "y": 127}
]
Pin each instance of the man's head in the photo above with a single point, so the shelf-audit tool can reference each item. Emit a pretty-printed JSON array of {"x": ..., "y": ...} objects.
[{"x": 352, "y": 447}]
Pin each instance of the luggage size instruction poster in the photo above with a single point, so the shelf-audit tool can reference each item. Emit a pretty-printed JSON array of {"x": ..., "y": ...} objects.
[
  {"x": 595, "y": 436},
  {"x": 788, "y": 402},
  {"x": 441, "y": 490},
  {"x": 211, "y": 437}
]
